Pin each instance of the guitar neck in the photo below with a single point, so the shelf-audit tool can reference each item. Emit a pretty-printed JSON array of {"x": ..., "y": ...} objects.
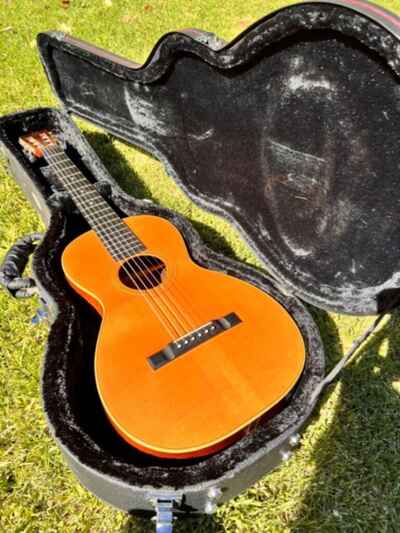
[{"x": 116, "y": 236}]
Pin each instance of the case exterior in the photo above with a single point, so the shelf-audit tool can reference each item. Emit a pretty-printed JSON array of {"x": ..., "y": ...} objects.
[
  {"x": 136, "y": 105},
  {"x": 384, "y": 17}
]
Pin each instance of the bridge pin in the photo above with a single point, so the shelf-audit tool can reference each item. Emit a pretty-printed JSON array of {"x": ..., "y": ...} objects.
[
  {"x": 205, "y": 331},
  {"x": 185, "y": 341},
  {"x": 192, "y": 338},
  {"x": 199, "y": 334}
]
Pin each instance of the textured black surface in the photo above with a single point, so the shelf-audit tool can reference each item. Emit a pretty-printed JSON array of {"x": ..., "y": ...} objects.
[{"x": 290, "y": 131}]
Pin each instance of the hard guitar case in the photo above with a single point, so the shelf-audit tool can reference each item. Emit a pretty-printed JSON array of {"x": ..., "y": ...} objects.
[{"x": 290, "y": 132}]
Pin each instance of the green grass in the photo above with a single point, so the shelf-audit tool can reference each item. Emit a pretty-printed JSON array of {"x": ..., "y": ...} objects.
[{"x": 344, "y": 477}]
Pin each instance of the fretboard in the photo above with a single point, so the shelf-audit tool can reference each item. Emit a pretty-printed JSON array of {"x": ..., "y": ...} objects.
[{"x": 116, "y": 236}]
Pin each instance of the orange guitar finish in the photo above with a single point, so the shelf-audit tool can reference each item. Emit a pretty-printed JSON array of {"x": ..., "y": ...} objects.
[{"x": 204, "y": 399}]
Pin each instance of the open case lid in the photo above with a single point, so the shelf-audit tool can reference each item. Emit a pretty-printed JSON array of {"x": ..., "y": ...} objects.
[{"x": 291, "y": 131}]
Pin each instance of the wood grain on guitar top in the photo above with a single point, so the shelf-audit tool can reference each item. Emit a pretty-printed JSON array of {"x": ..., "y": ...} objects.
[{"x": 200, "y": 401}]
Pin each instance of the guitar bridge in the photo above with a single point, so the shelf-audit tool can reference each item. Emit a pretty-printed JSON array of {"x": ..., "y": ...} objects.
[{"x": 191, "y": 340}]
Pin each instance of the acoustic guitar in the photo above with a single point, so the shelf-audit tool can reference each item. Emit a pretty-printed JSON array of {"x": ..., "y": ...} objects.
[{"x": 187, "y": 358}]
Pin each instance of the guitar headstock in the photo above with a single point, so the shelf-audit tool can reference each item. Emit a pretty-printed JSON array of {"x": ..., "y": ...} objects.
[{"x": 35, "y": 143}]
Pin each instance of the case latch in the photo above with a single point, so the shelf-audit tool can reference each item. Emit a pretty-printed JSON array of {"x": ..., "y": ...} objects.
[{"x": 164, "y": 507}]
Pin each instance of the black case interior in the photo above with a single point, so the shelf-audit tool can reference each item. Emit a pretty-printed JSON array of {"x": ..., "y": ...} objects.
[{"x": 290, "y": 132}]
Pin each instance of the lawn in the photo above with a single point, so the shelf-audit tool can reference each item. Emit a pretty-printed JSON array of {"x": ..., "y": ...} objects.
[{"x": 345, "y": 475}]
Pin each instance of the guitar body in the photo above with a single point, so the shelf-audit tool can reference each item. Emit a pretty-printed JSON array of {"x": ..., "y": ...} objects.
[{"x": 200, "y": 401}]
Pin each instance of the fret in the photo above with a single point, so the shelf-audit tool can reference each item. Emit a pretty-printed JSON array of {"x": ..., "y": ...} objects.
[
  {"x": 85, "y": 186},
  {"x": 91, "y": 195},
  {"x": 123, "y": 237},
  {"x": 63, "y": 159},
  {"x": 116, "y": 250},
  {"x": 126, "y": 246},
  {"x": 119, "y": 243},
  {"x": 100, "y": 208},
  {"x": 117, "y": 237},
  {"x": 117, "y": 246},
  {"x": 88, "y": 187},
  {"x": 57, "y": 151},
  {"x": 56, "y": 167},
  {"x": 77, "y": 178},
  {"x": 107, "y": 218},
  {"x": 102, "y": 214}
]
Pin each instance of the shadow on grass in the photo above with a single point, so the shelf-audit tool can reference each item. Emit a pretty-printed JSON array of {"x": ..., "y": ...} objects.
[
  {"x": 356, "y": 485},
  {"x": 126, "y": 177},
  {"x": 118, "y": 166}
]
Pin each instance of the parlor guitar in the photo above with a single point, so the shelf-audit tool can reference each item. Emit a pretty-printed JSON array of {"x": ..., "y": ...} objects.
[{"x": 187, "y": 358}]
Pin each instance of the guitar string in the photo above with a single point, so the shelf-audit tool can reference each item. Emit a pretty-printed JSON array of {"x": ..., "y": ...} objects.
[
  {"x": 141, "y": 261},
  {"x": 148, "y": 263},
  {"x": 193, "y": 318},
  {"x": 141, "y": 286},
  {"x": 115, "y": 244},
  {"x": 164, "y": 320},
  {"x": 45, "y": 148}
]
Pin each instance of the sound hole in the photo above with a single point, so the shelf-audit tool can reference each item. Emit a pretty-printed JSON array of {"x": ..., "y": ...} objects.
[{"x": 142, "y": 272}]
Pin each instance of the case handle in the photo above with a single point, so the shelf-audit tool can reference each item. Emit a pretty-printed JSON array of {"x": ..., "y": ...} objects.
[{"x": 13, "y": 266}]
